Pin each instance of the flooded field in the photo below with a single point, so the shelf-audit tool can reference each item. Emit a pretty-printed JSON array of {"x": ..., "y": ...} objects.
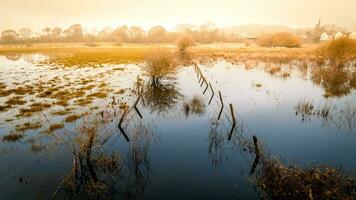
[{"x": 110, "y": 131}]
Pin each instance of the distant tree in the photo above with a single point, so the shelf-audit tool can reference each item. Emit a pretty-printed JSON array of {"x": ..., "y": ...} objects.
[
  {"x": 56, "y": 33},
  {"x": 184, "y": 28},
  {"x": 9, "y": 36},
  {"x": 46, "y": 36},
  {"x": 157, "y": 34},
  {"x": 74, "y": 33},
  {"x": 137, "y": 34},
  {"x": 106, "y": 35},
  {"x": 88, "y": 37},
  {"x": 121, "y": 34},
  {"x": 25, "y": 33}
]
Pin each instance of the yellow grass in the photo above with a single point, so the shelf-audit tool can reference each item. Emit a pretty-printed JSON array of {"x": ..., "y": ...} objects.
[{"x": 71, "y": 54}]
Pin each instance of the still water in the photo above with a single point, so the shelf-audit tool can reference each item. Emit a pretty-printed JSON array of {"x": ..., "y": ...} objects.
[{"x": 178, "y": 149}]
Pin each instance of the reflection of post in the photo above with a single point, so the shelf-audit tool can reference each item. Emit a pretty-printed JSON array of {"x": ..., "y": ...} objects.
[
  {"x": 254, "y": 165},
  {"x": 233, "y": 121},
  {"x": 213, "y": 93},
  {"x": 135, "y": 107},
  {"x": 222, "y": 105},
  {"x": 255, "y": 142},
  {"x": 121, "y": 129},
  {"x": 204, "y": 80},
  {"x": 257, "y": 158},
  {"x": 207, "y": 86}
]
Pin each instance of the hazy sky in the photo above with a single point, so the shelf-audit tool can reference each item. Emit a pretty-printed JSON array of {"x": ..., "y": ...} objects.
[{"x": 98, "y": 13}]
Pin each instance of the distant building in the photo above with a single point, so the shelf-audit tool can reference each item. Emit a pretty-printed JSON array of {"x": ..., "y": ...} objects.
[
  {"x": 324, "y": 37},
  {"x": 338, "y": 35}
]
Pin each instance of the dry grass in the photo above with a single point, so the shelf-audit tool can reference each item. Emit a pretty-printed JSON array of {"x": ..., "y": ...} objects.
[
  {"x": 338, "y": 51},
  {"x": 194, "y": 106},
  {"x": 75, "y": 55},
  {"x": 282, "y": 39},
  {"x": 28, "y": 126},
  {"x": 71, "y": 118},
  {"x": 12, "y": 137},
  {"x": 34, "y": 108},
  {"x": 16, "y": 100},
  {"x": 69, "y": 55},
  {"x": 54, "y": 127},
  {"x": 277, "y": 181}
]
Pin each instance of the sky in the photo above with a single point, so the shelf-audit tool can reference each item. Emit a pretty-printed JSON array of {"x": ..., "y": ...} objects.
[{"x": 37, "y": 14}]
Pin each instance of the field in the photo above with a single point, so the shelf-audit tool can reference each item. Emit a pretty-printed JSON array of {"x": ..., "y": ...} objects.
[{"x": 119, "y": 121}]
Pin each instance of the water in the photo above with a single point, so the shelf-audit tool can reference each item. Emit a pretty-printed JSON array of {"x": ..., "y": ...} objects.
[{"x": 172, "y": 153}]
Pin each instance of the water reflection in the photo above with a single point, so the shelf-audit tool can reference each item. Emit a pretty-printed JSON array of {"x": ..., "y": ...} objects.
[
  {"x": 340, "y": 117},
  {"x": 162, "y": 96},
  {"x": 335, "y": 81},
  {"x": 100, "y": 171}
]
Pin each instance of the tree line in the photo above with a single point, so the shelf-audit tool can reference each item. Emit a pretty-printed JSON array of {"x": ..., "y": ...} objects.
[{"x": 206, "y": 33}]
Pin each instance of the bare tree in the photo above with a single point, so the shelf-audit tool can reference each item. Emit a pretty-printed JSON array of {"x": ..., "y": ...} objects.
[
  {"x": 9, "y": 36},
  {"x": 157, "y": 34}
]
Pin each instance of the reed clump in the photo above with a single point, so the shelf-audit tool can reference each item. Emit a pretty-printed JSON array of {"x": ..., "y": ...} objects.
[
  {"x": 12, "y": 137},
  {"x": 277, "y": 181}
]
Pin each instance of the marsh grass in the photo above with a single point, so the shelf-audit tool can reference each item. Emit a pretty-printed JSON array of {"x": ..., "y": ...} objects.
[
  {"x": 28, "y": 126},
  {"x": 12, "y": 137},
  {"x": 277, "y": 181},
  {"x": 71, "y": 118},
  {"x": 338, "y": 51},
  {"x": 54, "y": 127},
  {"x": 34, "y": 108},
  {"x": 62, "y": 112},
  {"x": 305, "y": 108},
  {"x": 194, "y": 106}
]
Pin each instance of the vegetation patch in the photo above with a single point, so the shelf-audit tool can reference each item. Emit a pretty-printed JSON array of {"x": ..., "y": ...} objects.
[
  {"x": 12, "y": 137},
  {"x": 71, "y": 118},
  {"x": 16, "y": 100},
  {"x": 54, "y": 127},
  {"x": 277, "y": 181},
  {"x": 28, "y": 126},
  {"x": 338, "y": 51},
  {"x": 34, "y": 108},
  {"x": 282, "y": 39}
]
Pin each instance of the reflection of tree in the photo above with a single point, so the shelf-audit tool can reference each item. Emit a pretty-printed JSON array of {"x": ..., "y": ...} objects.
[
  {"x": 161, "y": 97},
  {"x": 335, "y": 81},
  {"x": 13, "y": 57}
]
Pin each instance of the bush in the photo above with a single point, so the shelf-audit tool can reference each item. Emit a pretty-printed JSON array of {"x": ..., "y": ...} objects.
[
  {"x": 338, "y": 51},
  {"x": 184, "y": 42},
  {"x": 282, "y": 39},
  {"x": 278, "y": 181},
  {"x": 160, "y": 64}
]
